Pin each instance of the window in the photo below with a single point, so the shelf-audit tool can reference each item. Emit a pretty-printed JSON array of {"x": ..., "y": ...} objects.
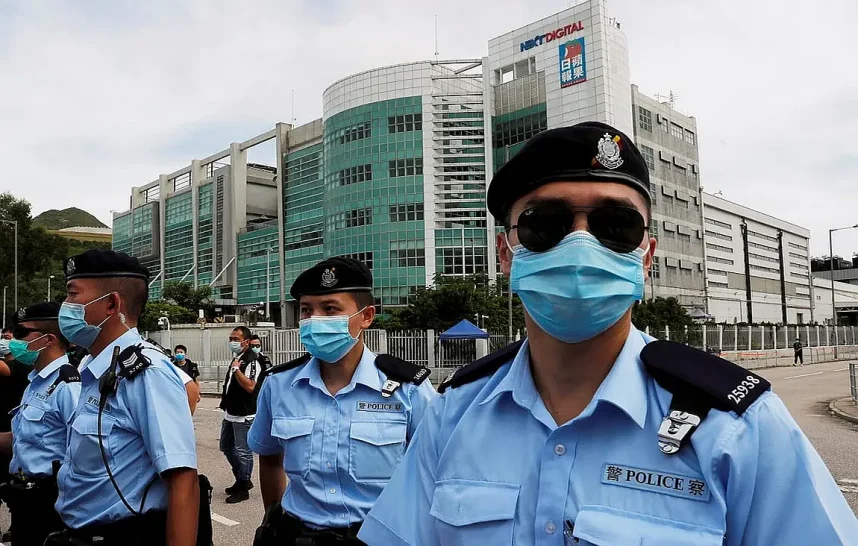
[
  {"x": 645, "y": 118},
  {"x": 752, "y": 244},
  {"x": 716, "y": 272},
  {"x": 797, "y": 255},
  {"x": 719, "y": 248},
  {"x": 405, "y": 213},
  {"x": 411, "y": 257},
  {"x": 356, "y": 132},
  {"x": 665, "y": 165},
  {"x": 509, "y": 133},
  {"x": 151, "y": 194},
  {"x": 718, "y": 235},
  {"x": 655, "y": 270},
  {"x": 799, "y": 275},
  {"x": 763, "y": 258},
  {"x": 799, "y": 318},
  {"x": 796, "y": 265},
  {"x": 714, "y": 284},
  {"x": 717, "y": 260},
  {"x": 676, "y": 131},
  {"x": 719, "y": 224},
  {"x": 653, "y": 230},
  {"x": 763, "y": 268},
  {"x": 365, "y": 257},
  {"x": 360, "y": 217},
  {"x": 663, "y": 124},
  {"x": 654, "y": 194},
  {"x": 649, "y": 156},
  {"x": 798, "y": 246},
  {"x": 407, "y": 122},
  {"x": 353, "y": 175},
  {"x": 763, "y": 236},
  {"x": 689, "y": 137},
  {"x": 406, "y": 167},
  {"x": 680, "y": 203}
]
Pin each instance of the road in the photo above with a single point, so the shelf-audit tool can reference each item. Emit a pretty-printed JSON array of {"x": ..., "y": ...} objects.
[{"x": 806, "y": 392}]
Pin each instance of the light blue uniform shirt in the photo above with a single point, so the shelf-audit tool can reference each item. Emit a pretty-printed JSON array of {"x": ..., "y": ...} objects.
[
  {"x": 146, "y": 430},
  {"x": 40, "y": 426},
  {"x": 339, "y": 451},
  {"x": 490, "y": 466}
]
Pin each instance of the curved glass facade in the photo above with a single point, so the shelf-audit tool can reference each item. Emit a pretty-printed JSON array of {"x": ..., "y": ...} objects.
[{"x": 373, "y": 196}]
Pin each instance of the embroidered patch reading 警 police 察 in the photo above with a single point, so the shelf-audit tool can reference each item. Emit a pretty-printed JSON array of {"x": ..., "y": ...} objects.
[
  {"x": 387, "y": 407},
  {"x": 678, "y": 485}
]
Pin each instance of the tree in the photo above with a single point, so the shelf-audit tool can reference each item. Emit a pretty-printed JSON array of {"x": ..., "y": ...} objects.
[
  {"x": 156, "y": 309},
  {"x": 663, "y": 312},
  {"x": 185, "y": 295}
]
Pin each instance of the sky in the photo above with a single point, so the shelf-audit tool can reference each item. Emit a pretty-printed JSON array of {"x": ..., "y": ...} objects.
[{"x": 100, "y": 96}]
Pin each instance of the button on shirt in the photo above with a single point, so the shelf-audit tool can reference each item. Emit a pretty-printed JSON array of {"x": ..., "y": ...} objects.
[
  {"x": 339, "y": 451},
  {"x": 40, "y": 424},
  {"x": 146, "y": 430},
  {"x": 490, "y": 466}
]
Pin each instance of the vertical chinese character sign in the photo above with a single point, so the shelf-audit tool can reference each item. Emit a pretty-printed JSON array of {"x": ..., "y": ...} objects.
[{"x": 573, "y": 67}]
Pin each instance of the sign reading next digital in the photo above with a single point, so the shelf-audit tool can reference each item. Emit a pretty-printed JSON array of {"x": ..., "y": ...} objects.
[{"x": 553, "y": 35}]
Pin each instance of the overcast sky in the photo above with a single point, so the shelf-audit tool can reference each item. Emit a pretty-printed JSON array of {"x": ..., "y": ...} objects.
[{"x": 99, "y": 96}]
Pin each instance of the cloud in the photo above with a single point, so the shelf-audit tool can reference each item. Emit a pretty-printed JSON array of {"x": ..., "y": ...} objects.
[{"x": 98, "y": 96}]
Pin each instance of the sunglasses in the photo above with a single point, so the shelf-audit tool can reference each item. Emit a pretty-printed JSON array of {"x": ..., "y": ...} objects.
[
  {"x": 20, "y": 332},
  {"x": 541, "y": 227}
]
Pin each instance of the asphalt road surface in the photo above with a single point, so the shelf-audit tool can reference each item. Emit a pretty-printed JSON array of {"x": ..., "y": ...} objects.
[{"x": 805, "y": 390}]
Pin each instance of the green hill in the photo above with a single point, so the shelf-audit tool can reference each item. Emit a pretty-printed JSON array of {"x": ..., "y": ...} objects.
[{"x": 70, "y": 217}]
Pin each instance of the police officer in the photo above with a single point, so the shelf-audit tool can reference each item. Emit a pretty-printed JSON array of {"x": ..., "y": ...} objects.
[
  {"x": 39, "y": 427},
  {"x": 590, "y": 432},
  {"x": 129, "y": 475},
  {"x": 335, "y": 422}
]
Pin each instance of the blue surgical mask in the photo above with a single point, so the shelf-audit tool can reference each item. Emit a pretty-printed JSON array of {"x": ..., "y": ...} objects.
[
  {"x": 21, "y": 352},
  {"x": 328, "y": 338},
  {"x": 180, "y": 356},
  {"x": 578, "y": 289},
  {"x": 256, "y": 350},
  {"x": 235, "y": 346},
  {"x": 73, "y": 324}
]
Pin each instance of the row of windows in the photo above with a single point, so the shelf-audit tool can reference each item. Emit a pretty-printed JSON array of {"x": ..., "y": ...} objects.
[
  {"x": 353, "y": 175},
  {"x": 763, "y": 268},
  {"x": 365, "y": 257},
  {"x": 509, "y": 133},
  {"x": 712, "y": 246},
  {"x": 798, "y": 246},
  {"x": 763, "y": 236},
  {"x": 717, "y": 260},
  {"x": 405, "y": 167},
  {"x": 405, "y": 213},
  {"x": 677, "y": 131},
  {"x": 408, "y": 257},
  {"x": 408, "y": 122},
  {"x": 719, "y": 235},
  {"x": 360, "y": 217},
  {"x": 356, "y": 132},
  {"x": 716, "y": 271},
  {"x": 796, "y": 265},
  {"x": 450, "y": 261},
  {"x": 799, "y": 275},
  {"x": 718, "y": 223},
  {"x": 714, "y": 284},
  {"x": 752, "y": 244},
  {"x": 764, "y": 258},
  {"x": 796, "y": 255}
]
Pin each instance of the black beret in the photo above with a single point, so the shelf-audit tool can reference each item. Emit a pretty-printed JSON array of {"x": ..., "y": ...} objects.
[
  {"x": 48, "y": 310},
  {"x": 338, "y": 274},
  {"x": 586, "y": 152},
  {"x": 95, "y": 263}
]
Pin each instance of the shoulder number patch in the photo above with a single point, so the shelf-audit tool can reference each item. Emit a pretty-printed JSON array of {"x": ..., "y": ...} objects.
[{"x": 677, "y": 485}]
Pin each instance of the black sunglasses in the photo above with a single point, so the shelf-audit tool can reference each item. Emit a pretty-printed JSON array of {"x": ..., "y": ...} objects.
[
  {"x": 541, "y": 227},
  {"x": 20, "y": 332}
]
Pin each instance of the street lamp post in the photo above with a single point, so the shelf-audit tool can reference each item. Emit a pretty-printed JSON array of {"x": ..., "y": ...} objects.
[
  {"x": 49, "y": 287},
  {"x": 15, "y": 224},
  {"x": 831, "y": 263}
]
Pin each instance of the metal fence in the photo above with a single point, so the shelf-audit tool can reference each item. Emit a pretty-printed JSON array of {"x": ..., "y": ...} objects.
[{"x": 752, "y": 346}]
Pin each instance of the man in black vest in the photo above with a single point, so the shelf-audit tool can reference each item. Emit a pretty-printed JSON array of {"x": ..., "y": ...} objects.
[{"x": 239, "y": 403}]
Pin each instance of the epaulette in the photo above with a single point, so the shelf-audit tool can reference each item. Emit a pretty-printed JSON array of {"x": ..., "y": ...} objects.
[
  {"x": 132, "y": 361},
  {"x": 68, "y": 374},
  {"x": 399, "y": 371},
  {"x": 699, "y": 381},
  {"x": 482, "y": 367}
]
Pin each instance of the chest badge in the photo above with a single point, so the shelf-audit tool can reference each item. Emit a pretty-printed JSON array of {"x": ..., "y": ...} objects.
[{"x": 656, "y": 481}]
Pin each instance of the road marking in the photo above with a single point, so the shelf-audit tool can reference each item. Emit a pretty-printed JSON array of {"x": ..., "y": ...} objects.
[
  {"x": 848, "y": 481},
  {"x": 841, "y": 369},
  {"x": 224, "y": 521},
  {"x": 847, "y": 489},
  {"x": 803, "y": 375},
  {"x": 815, "y": 415}
]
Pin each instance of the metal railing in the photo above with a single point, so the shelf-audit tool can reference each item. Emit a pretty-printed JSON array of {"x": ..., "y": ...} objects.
[{"x": 853, "y": 381}]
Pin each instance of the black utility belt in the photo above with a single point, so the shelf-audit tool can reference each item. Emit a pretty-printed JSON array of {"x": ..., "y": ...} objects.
[
  {"x": 23, "y": 485},
  {"x": 152, "y": 524},
  {"x": 298, "y": 528}
]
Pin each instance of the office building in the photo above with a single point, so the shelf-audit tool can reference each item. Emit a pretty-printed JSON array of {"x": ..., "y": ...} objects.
[{"x": 757, "y": 266}]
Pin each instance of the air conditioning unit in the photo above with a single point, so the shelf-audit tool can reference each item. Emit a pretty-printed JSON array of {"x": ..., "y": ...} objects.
[{"x": 231, "y": 318}]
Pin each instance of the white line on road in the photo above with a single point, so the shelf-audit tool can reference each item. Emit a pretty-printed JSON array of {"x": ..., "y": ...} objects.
[
  {"x": 846, "y": 481},
  {"x": 223, "y": 521},
  {"x": 803, "y": 375},
  {"x": 841, "y": 369},
  {"x": 847, "y": 489}
]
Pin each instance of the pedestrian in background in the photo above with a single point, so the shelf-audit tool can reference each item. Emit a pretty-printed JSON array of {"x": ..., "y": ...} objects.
[
  {"x": 238, "y": 400},
  {"x": 181, "y": 360},
  {"x": 797, "y": 347}
]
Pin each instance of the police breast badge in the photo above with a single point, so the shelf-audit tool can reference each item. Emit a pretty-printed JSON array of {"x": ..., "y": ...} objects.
[
  {"x": 329, "y": 279},
  {"x": 609, "y": 152}
]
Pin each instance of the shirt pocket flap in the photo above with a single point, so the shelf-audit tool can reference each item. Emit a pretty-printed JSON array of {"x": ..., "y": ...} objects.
[
  {"x": 603, "y": 526},
  {"x": 287, "y": 429},
  {"x": 465, "y": 502},
  {"x": 33, "y": 413},
  {"x": 87, "y": 425},
  {"x": 379, "y": 433}
]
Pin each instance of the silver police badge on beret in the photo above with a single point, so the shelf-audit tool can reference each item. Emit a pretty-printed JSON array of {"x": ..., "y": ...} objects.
[
  {"x": 22, "y": 313},
  {"x": 70, "y": 266},
  {"x": 329, "y": 279},
  {"x": 609, "y": 152}
]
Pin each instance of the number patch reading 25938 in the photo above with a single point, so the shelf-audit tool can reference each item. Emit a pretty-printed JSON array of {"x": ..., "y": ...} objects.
[{"x": 743, "y": 389}]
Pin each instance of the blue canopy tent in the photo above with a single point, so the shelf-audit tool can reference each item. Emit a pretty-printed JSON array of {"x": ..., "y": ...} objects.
[{"x": 464, "y": 330}]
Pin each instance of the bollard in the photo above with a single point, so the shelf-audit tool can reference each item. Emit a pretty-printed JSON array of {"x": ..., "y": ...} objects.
[{"x": 853, "y": 381}]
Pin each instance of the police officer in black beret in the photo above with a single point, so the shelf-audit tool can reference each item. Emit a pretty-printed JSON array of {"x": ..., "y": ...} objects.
[
  {"x": 335, "y": 421},
  {"x": 583, "y": 432},
  {"x": 129, "y": 475}
]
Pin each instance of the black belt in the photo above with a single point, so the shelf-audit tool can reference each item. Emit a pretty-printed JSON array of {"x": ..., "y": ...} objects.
[
  {"x": 149, "y": 528},
  {"x": 291, "y": 526}
]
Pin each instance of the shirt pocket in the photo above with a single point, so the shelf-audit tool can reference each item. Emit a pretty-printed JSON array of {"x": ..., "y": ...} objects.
[
  {"x": 375, "y": 449},
  {"x": 31, "y": 426},
  {"x": 85, "y": 452},
  {"x": 604, "y": 526},
  {"x": 295, "y": 436},
  {"x": 474, "y": 512}
]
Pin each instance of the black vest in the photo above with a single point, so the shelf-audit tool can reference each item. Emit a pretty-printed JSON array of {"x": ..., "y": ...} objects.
[{"x": 235, "y": 400}]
